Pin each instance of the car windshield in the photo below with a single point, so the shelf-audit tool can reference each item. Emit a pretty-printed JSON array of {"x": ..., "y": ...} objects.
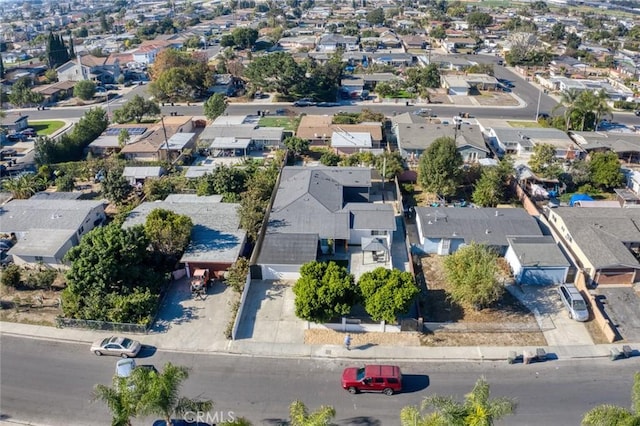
[
  {"x": 360, "y": 374},
  {"x": 579, "y": 305},
  {"x": 104, "y": 342},
  {"x": 127, "y": 343}
]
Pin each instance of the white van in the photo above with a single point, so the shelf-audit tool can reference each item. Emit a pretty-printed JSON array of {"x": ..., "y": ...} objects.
[{"x": 574, "y": 302}]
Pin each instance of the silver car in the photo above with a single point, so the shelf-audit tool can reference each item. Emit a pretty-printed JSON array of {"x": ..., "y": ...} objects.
[
  {"x": 574, "y": 302},
  {"x": 119, "y": 346}
]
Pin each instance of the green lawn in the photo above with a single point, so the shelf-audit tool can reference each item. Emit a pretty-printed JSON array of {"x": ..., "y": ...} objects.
[
  {"x": 524, "y": 124},
  {"x": 47, "y": 127},
  {"x": 289, "y": 123}
]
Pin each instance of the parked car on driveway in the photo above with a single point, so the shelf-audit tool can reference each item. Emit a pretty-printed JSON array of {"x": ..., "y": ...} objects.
[
  {"x": 118, "y": 346},
  {"x": 574, "y": 302},
  {"x": 372, "y": 378}
]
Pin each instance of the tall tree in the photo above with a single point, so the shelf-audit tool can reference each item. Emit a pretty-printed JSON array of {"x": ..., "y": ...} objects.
[
  {"x": 115, "y": 187},
  {"x": 610, "y": 415},
  {"x": 488, "y": 189},
  {"x": 277, "y": 71},
  {"x": 439, "y": 167},
  {"x": 1, "y": 67},
  {"x": 472, "y": 273},
  {"x": 162, "y": 394},
  {"x": 324, "y": 291},
  {"x": 120, "y": 398},
  {"x": 477, "y": 409},
  {"x": 215, "y": 106},
  {"x": 604, "y": 170},
  {"x": 296, "y": 145},
  {"x": 568, "y": 100},
  {"x": 84, "y": 89},
  {"x": 135, "y": 109},
  {"x": 168, "y": 232},
  {"x": 387, "y": 293},
  {"x": 389, "y": 164},
  {"x": 22, "y": 95},
  {"x": 544, "y": 161}
]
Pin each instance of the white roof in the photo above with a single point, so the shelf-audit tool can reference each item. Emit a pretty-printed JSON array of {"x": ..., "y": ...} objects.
[
  {"x": 230, "y": 142},
  {"x": 229, "y": 120},
  {"x": 178, "y": 141},
  {"x": 351, "y": 140}
]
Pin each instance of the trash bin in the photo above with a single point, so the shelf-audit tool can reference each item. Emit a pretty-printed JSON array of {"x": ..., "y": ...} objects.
[
  {"x": 528, "y": 356},
  {"x": 614, "y": 354},
  {"x": 511, "y": 358}
]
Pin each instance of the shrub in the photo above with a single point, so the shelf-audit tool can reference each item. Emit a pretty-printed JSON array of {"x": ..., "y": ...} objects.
[
  {"x": 42, "y": 279},
  {"x": 11, "y": 276}
]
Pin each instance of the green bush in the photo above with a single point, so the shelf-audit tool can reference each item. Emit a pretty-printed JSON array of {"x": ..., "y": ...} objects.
[
  {"x": 42, "y": 279},
  {"x": 11, "y": 276},
  {"x": 625, "y": 105}
]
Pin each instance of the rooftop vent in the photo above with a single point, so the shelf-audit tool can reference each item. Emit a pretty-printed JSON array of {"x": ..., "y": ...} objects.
[{"x": 486, "y": 231}]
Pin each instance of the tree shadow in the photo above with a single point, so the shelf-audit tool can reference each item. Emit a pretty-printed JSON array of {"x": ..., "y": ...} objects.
[{"x": 361, "y": 421}]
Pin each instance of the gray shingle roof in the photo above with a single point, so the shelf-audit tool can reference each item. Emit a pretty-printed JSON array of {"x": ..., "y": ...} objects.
[
  {"x": 288, "y": 249},
  {"x": 420, "y": 136},
  {"x": 615, "y": 142},
  {"x": 601, "y": 233},
  {"x": 489, "y": 226},
  {"x": 216, "y": 235},
  {"x": 38, "y": 213},
  {"x": 371, "y": 216},
  {"x": 540, "y": 251}
]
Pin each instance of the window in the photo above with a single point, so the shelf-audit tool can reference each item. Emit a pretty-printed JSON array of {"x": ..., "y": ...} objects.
[
  {"x": 81, "y": 230},
  {"x": 375, "y": 232},
  {"x": 39, "y": 258},
  {"x": 378, "y": 380}
]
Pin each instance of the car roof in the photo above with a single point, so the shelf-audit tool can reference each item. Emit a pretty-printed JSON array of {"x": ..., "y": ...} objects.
[{"x": 382, "y": 370}]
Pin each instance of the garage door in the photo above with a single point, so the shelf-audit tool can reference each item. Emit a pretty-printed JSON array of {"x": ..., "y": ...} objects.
[
  {"x": 615, "y": 277},
  {"x": 542, "y": 276},
  {"x": 280, "y": 272}
]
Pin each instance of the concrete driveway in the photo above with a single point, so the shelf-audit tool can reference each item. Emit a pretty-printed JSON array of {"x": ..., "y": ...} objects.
[
  {"x": 189, "y": 324},
  {"x": 621, "y": 305},
  {"x": 552, "y": 317}
]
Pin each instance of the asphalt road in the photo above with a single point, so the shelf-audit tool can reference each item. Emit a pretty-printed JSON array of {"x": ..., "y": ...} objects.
[{"x": 51, "y": 383}]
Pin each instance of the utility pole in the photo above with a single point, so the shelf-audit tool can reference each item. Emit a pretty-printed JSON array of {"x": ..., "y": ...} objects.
[
  {"x": 538, "y": 108},
  {"x": 166, "y": 141}
]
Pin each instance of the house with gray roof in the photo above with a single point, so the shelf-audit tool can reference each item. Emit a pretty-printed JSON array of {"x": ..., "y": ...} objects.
[
  {"x": 603, "y": 242},
  {"x": 537, "y": 260},
  {"x": 625, "y": 145},
  {"x": 415, "y": 138},
  {"x": 257, "y": 137},
  {"x": 216, "y": 237},
  {"x": 46, "y": 228},
  {"x": 519, "y": 142},
  {"x": 327, "y": 205},
  {"x": 443, "y": 230}
]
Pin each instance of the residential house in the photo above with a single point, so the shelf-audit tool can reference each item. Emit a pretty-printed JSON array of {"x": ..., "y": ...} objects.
[
  {"x": 603, "y": 242},
  {"x": 236, "y": 134},
  {"x": 333, "y": 42},
  {"x": 108, "y": 141},
  {"x": 55, "y": 92},
  {"x": 320, "y": 210},
  {"x": 415, "y": 138},
  {"x": 151, "y": 145},
  {"x": 89, "y": 67},
  {"x": 14, "y": 121},
  {"x": 217, "y": 239},
  {"x": 307, "y": 42},
  {"x": 536, "y": 260},
  {"x": 453, "y": 44},
  {"x": 226, "y": 84},
  {"x": 318, "y": 129},
  {"x": 443, "y": 230},
  {"x": 396, "y": 59},
  {"x": 370, "y": 81},
  {"x": 46, "y": 228},
  {"x": 414, "y": 42},
  {"x": 519, "y": 143},
  {"x": 450, "y": 62},
  {"x": 625, "y": 145},
  {"x": 136, "y": 176},
  {"x": 346, "y": 143},
  {"x": 463, "y": 84}
]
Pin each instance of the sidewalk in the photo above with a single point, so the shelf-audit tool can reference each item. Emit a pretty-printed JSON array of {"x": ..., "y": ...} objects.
[{"x": 246, "y": 347}]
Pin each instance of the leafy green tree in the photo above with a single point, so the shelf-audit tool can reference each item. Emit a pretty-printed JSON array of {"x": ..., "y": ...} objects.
[
  {"x": 558, "y": 31},
  {"x": 389, "y": 164},
  {"x": 472, "y": 273},
  {"x": 387, "y": 293},
  {"x": 609, "y": 415},
  {"x": 254, "y": 201},
  {"x": 488, "y": 189},
  {"x": 296, "y": 145},
  {"x": 438, "y": 33},
  {"x": 84, "y": 90},
  {"x": 604, "y": 169},
  {"x": 110, "y": 277},
  {"x": 300, "y": 416},
  {"x": 115, "y": 186},
  {"x": 543, "y": 161},
  {"x": 324, "y": 291},
  {"x": 323, "y": 79},
  {"x": 159, "y": 188},
  {"x": 22, "y": 95},
  {"x": 162, "y": 394},
  {"x": 329, "y": 158},
  {"x": 439, "y": 167},
  {"x": 423, "y": 77},
  {"x": 123, "y": 137},
  {"x": 375, "y": 16},
  {"x": 277, "y": 72},
  {"x": 135, "y": 109},
  {"x": 244, "y": 37},
  {"x": 477, "y": 409},
  {"x": 11, "y": 276},
  {"x": 65, "y": 183},
  {"x": 479, "y": 20},
  {"x": 56, "y": 51},
  {"x": 236, "y": 276},
  {"x": 168, "y": 232},
  {"x": 215, "y": 106},
  {"x": 23, "y": 186}
]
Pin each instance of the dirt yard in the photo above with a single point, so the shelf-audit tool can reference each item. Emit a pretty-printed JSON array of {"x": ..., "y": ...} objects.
[
  {"x": 39, "y": 307},
  {"x": 491, "y": 98}
]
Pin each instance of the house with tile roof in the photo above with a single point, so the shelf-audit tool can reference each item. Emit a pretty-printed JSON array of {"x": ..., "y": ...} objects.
[{"x": 604, "y": 242}]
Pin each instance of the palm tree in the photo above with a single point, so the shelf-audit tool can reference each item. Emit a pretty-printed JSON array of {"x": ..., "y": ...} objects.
[
  {"x": 569, "y": 99},
  {"x": 24, "y": 186},
  {"x": 601, "y": 108},
  {"x": 120, "y": 400},
  {"x": 612, "y": 415},
  {"x": 161, "y": 393},
  {"x": 476, "y": 410},
  {"x": 300, "y": 415}
]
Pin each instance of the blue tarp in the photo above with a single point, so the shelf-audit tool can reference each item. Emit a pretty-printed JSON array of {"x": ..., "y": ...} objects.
[{"x": 579, "y": 197}]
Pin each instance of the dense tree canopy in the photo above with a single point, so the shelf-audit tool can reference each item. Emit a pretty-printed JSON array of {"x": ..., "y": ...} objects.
[
  {"x": 479, "y": 20},
  {"x": 136, "y": 109},
  {"x": 375, "y": 16},
  {"x": 296, "y": 145},
  {"x": 215, "y": 106},
  {"x": 472, "y": 273},
  {"x": 439, "y": 167},
  {"x": 604, "y": 169},
  {"x": 543, "y": 161},
  {"x": 84, "y": 89},
  {"x": 276, "y": 72},
  {"x": 324, "y": 291},
  {"x": 387, "y": 293},
  {"x": 168, "y": 232},
  {"x": 22, "y": 95}
]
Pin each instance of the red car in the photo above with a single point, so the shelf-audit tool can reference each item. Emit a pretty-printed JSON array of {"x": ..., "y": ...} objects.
[{"x": 373, "y": 378}]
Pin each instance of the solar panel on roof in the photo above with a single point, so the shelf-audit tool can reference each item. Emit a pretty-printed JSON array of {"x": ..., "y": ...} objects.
[{"x": 133, "y": 131}]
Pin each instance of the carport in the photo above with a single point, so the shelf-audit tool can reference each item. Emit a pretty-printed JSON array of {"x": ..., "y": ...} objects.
[{"x": 377, "y": 247}]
